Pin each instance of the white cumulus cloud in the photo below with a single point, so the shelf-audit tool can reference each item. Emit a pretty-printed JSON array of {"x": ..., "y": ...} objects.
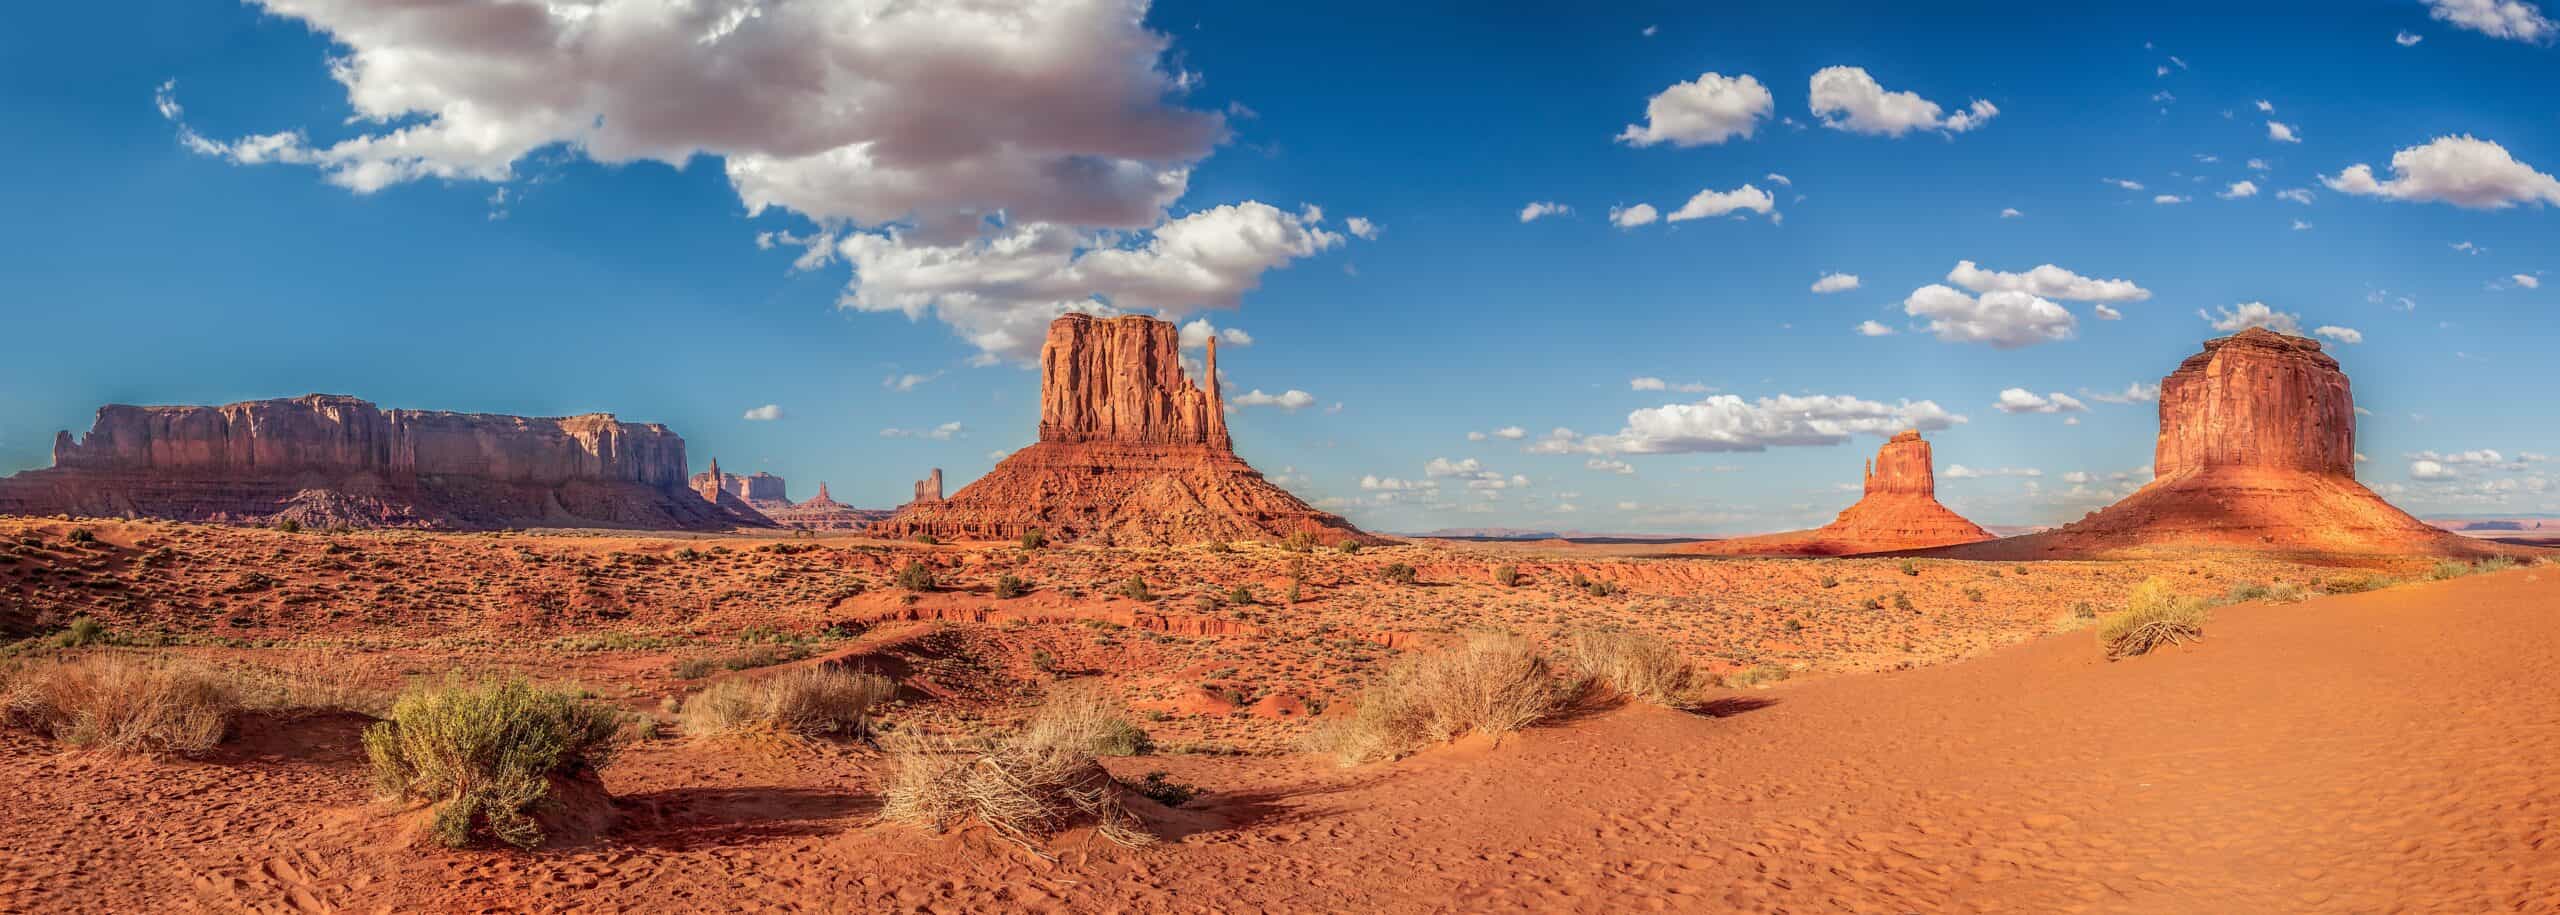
[
  {"x": 1724, "y": 422},
  {"x": 2510, "y": 19},
  {"x": 1291, "y": 400},
  {"x": 2254, "y": 314},
  {"x": 1871, "y": 328},
  {"x": 1847, "y": 98},
  {"x": 2460, "y": 170},
  {"x": 764, "y": 414},
  {"x": 1710, "y": 109},
  {"x": 2282, "y": 133},
  {"x": 2005, "y": 318},
  {"x": 2239, "y": 189},
  {"x": 1836, "y": 282},
  {"x": 2021, "y": 400},
  {"x": 2340, "y": 334},
  {"x": 1708, "y": 203},
  {"x": 2046, "y": 280},
  {"x": 1539, "y": 209},
  {"x": 1631, "y": 217}
]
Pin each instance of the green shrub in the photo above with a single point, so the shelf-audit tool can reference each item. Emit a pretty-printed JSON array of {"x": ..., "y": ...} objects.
[
  {"x": 1008, "y": 587},
  {"x": 1506, "y": 575},
  {"x": 1830, "y": 582},
  {"x": 488, "y": 755},
  {"x": 1241, "y": 596},
  {"x": 1300, "y": 542},
  {"x": 1911, "y": 567},
  {"x": 2154, "y": 616},
  {"x": 916, "y": 577},
  {"x": 81, "y": 535},
  {"x": 1136, "y": 588},
  {"x": 803, "y": 701},
  {"x": 1033, "y": 539},
  {"x": 2448, "y": 569},
  {"x": 82, "y": 633},
  {"x": 1756, "y": 675},
  {"x": 1159, "y": 786},
  {"x": 1400, "y": 574},
  {"x": 288, "y": 526},
  {"x": 926, "y": 539},
  {"x": 1974, "y": 594}
]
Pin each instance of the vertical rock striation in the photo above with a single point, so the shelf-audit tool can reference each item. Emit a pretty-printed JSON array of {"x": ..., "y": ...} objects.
[
  {"x": 2257, "y": 399},
  {"x": 1130, "y": 451},
  {"x": 334, "y": 460}
]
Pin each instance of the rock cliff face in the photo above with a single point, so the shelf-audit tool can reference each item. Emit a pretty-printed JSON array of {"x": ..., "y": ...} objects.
[
  {"x": 760, "y": 490},
  {"x": 929, "y": 489},
  {"x": 1130, "y": 452},
  {"x": 2257, "y": 399},
  {"x": 824, "y": 513},
  {"x": 1899, "y": 511},
  {"x": 2256, "y": 453},
  {"x": 333, "y": 460}
]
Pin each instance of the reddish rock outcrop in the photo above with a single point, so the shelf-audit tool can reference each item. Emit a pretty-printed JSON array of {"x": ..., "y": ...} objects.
[
  {"x": 761, "y": 491},
  {"x": 2256, "y": 453},
  {"x": 325, "y": 460},
  {"x": 929, "y": 489},
  {"x": 824, "y": 513},
  {"x": 1899, "y": 511},
  {"x": 1130, "y": 452}
]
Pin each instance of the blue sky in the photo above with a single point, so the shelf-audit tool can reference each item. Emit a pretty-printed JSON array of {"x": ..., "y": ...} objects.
[{"x": 487, "y": 253}]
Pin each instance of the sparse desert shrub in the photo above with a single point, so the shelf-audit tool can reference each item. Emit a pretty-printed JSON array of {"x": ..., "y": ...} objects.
[
  {"x": 2358, "y": 584},
  {"x": 288, "y": 526},
  {"x": 487, "y": 755},
  {"x": 2447, "y": 569},
  {"x": 2279, "y": 592},
  {"x": 1493, "y": 684},
  {"x": 123, "y": 705},
  {"x": 2084, "y": 610},
  {"x": 916, "y": 577},
  {"x": 926, "y": 539},
  {"x": 1136, "y": 589},
  {"x": 2154, "y": 616},
  {"x": 1636, "y": 665},
  {"x": 1902, "y": 601},
  {"x": 2493, "y": 564},
  {"x": 1974, "y": 594},
  {"x": 1025, "y": 795},
  {"x": 1874, "y": 603},
  {"x": 1348, "y": 546},
  {"x": 1159, "y": 786},
  {"x": 82, "y": 633},
  {"x": 1221, "y": 546},
  {"x": 1830, "y": 582},
  {"x": 81, "y": 535},
  {"x": 748, "y": 658},
  {"x": 803, "y": 701},
  {"x": 1399, "y": 573},
  {"x": 1757, "y": 675},
  {"x": 1084, "y": 718},
  {"x": 1033, "y": 539},
  {"x": 1009, "y": 586},
  {"x": 1300, "y": 542},
  {"x": 1242, "y": 596},
  {"x": 1506, "y": 575},
  {"x": 1911, "y": 567}
]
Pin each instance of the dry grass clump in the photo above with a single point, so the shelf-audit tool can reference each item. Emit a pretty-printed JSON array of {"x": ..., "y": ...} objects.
[
  {"x": 122, "y": 704},
  {"x": 1636, "y": 665},
  {"x": 1084, "y": 719},
  {"x": 486, "y": 755},
  {"x": 2154, "y": 616},
  {"x": 1493, "y": 684},
  {"x": 813, "y": 701},
  {"x": 1025, "y": 793}
]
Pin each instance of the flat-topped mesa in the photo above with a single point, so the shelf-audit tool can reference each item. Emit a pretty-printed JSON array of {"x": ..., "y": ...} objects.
[
  {"x": 1130, "y": 452},
  {"x": 1903, "y": 466},
  {"x": 2256, "y": 453},
  {"x": 1120, "y": 379},
  {"x": 1900, "y": 511},
  {"x": 330, "y": 459},
  {"x": 824, "y": 513},
  {"x": 2257, "y": 399},
  {"x": 759, "y": 489}
]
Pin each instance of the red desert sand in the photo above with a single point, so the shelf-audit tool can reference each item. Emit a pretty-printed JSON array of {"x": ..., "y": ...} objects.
[{"x": 2383, "y": 751}]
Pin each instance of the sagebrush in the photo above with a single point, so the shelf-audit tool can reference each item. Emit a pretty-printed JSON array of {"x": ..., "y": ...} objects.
[{"x": 486, "y": 754}]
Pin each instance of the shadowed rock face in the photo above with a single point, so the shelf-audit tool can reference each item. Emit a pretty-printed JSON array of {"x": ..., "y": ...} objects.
[
  {"x": 2256, "y": 453},
  {"x": 1131, "y": 451},
  {"x": 1899, "y": 511},
  {"x": 334, "y": 460}
]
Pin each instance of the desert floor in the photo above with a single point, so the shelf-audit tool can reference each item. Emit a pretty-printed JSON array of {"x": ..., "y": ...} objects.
[{"x": 2379, "y": 751}]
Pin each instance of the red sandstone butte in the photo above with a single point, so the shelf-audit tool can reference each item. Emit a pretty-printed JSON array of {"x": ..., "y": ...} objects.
[
  {"x": 1131, "y": 452},
  {"x": 326, "y": 460},
  {"x": 2257, "y": 453},
  {"x": 1899, "y": 511},
  {"x": 824, "y": 513}
]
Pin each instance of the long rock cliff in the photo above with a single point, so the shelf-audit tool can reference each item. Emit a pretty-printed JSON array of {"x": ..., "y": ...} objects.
[{"x": 334, "y": 460}]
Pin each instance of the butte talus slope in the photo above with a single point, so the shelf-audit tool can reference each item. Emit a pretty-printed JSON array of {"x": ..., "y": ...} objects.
[
  {"x": 1130, "y": 452},
  {"x": 325, "y": 460},
  {"x": 2256, "y": 453},
  {"x": 1899, "y": 511}
]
